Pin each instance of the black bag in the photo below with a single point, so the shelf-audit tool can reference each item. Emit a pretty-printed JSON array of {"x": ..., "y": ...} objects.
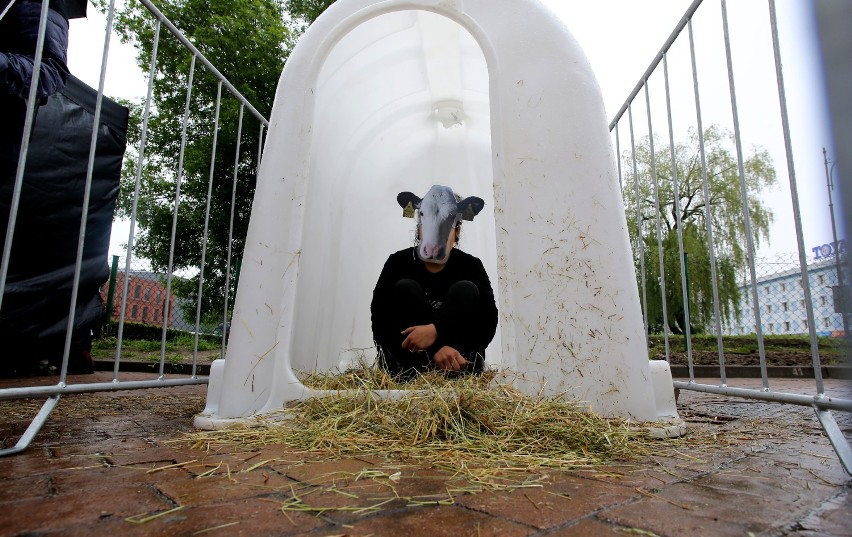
[{"x": 34, "y": 312}]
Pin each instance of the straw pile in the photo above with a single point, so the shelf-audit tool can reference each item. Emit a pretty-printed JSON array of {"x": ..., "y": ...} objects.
[{"x": 465, "y": 425}]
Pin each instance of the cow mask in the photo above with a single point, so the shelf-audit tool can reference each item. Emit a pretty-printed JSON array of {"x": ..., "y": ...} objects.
[{"x": 439, "y": 211}]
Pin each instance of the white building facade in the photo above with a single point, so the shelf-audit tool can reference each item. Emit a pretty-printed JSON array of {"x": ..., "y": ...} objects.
[{"x": 781, "y": 299}]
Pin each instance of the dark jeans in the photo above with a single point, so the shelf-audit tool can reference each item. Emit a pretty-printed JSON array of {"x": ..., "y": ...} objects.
[{"x": 411, "y": 308}]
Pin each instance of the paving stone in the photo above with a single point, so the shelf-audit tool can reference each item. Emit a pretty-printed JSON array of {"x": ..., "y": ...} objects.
[
  {"x": 345, "y": 503},
  {"x": 565, "y": 498},
  {"x": 33, "y": 461},
  {"x": 240, "y": 518},
  {"x": 809, "y": 461},
  {"x": 352, "y": 493},
  {"x": 724, "y": 503},
  {"x": 80, "y": 506},
  {"x": 442, "y": 521},
  {"x": 832, "y": 518},
  {"x": 100, "y": 449},
  {"x": 420, "y": 484},
  {"x": 216, "y": 489},
  {"x": 285, "y": 455},
  {"x": 780, "y": 475},
  {"x": 596, "y": 528},
  {"x": 20, "y": 488},
  {"x": 151, "y": 457},
  {"x": 325, "y": 471},
  {"x": 662, "y": 518},
  {"x": 253, "y": 517},
  {"x": 647, "y": 475},
  {"x": 531, "y": 506},
  {"x": 236, "y": 461},
  {"x": 73, "y": 481}
]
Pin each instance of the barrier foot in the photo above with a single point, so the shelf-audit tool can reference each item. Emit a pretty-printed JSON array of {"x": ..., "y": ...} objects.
[
  {"x": 835, "y": 436},
  {"x": 34, "y": 427}
]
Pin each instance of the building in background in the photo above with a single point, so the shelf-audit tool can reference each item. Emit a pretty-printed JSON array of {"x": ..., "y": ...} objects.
[
  {"x": 781, "y": 298},
  {"x": 146, "y": 298}
]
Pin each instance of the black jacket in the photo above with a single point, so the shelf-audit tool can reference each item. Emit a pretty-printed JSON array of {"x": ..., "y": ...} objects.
[
  {"x": 460, "y": 266},
  {"x": 18, "y": 41}
]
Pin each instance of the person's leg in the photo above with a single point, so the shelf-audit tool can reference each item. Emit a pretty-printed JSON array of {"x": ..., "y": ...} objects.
[
  {"x": 458, "y": 309},
  {"x": 456, "y": 312},
  {"x": 409, "y": 308}
]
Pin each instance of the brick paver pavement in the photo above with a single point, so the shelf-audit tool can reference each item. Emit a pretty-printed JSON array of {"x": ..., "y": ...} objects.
[{"x": 97, "y": 469}]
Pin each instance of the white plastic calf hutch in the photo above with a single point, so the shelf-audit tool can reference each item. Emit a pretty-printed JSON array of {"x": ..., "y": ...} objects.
[{"x": 493, "y": 98}]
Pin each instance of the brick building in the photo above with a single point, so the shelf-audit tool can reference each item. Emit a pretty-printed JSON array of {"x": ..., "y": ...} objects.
[{"x": 146, "y": 296}]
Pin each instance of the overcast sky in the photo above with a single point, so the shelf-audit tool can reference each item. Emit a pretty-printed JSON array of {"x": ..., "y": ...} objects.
[{"x": 620, "y": 38}]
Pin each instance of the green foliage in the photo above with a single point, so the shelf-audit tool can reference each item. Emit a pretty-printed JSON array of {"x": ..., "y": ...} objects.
[
  {"x": 248, "y": 42},
  {"x": 307, "y": 10},
  {"x": 140, "y": 338},
  {"x": 726, "y": 222},
  {"x": 173, "y": 358},
  {"x": 154, "y": 334}
]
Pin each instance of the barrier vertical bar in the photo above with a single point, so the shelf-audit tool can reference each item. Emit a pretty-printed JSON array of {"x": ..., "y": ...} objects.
[
  {"x": 135, "y": 204},
  {"x": 7, "y": 9},
  {"x": 175, "y": 216},
  {"x": 618, "y": 159},
  {"x": 744, "y": 193},
  {"x": 639, "y": 220},
  {"x": 659, "y": 225},
  {"x": 87, "y": 191},
  {"x": 687, "y": 328},
  {"x": 707, "y": 215},
  {"x": 829, "y": 185},
  {"x": 259, "y": 148},
  {"x": 206, "y": 225},
  {"x": 225, "y": 325},
  {"x": 794, "y": 195}
]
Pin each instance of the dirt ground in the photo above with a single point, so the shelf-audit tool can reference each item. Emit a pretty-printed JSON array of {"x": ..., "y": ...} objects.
[{"x": 774, "y": 357}]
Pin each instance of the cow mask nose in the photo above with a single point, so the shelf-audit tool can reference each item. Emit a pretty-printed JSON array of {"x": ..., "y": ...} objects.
[{"x": 431, "y": 251}]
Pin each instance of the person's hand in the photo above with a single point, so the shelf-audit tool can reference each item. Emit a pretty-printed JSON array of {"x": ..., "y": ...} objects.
[
  {"x": 420, "y": 337},
  {"x": 449, "y": 359}
]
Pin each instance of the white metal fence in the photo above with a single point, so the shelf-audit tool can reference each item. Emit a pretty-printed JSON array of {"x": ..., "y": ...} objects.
[
  {"x": 753, "y": 297},
  {"x": 133, "y": 292}
]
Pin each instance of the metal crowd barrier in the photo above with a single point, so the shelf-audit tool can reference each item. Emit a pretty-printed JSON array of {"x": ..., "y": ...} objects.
[
  {"x": 54, "y": 392},
  {"x": 761, "y": 308},
  {"x": 822, "y": 403}
]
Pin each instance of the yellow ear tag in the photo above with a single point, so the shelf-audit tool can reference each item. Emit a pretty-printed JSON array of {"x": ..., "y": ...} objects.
[{"x": 408, "y": 211}]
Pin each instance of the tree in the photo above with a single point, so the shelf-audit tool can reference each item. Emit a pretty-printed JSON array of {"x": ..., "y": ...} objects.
[
  {"x": 727, "y": 224},
  {"x": 248, "y": 41},
  {"x": 307, "y": 10}
]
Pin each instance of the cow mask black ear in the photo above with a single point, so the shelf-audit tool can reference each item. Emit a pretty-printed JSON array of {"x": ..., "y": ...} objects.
[
  {"x": 409, "y": 202},
  {"x": 470, "y": 207}
]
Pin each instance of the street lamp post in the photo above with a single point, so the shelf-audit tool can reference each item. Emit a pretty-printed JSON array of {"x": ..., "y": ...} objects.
[{"x": 843, "y": 293}]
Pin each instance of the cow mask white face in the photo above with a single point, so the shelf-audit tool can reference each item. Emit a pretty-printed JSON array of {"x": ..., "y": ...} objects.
[{"x": 439, "y": 212}]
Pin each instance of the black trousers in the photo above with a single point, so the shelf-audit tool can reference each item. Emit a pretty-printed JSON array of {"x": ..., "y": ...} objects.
[{"x": 412, "y": 308}]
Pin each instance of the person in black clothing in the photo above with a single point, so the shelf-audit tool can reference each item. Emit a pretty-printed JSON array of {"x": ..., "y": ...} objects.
[
  {"x": 18, "y": 42},
  {"x": 30, "y": 330},
  {"x": 433, "y": 306}
]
